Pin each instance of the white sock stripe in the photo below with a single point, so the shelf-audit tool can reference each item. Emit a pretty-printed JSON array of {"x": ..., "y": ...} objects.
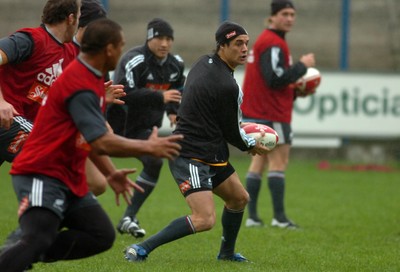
[
  {"x": 190, "y": 223},
  {"x": 145, "y": 181},
  {"x": 276, "y": 174},
  {"x": 37, "y": 192}
]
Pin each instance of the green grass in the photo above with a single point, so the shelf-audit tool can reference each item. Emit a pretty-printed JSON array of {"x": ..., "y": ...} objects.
[{"x": 350, "y": 222}]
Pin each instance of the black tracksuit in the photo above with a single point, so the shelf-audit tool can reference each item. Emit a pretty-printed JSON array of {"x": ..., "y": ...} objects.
[{"x": 209, "y": 115}]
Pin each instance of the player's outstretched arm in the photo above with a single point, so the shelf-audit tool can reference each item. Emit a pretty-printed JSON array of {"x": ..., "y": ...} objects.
[
  {"x": 116, "y": 178},
  {"x": 117, "y": 146},
  {"x": 7, "y": 111}
]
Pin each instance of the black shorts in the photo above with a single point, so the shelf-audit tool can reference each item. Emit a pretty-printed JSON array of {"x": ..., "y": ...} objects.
[
  {"x": 46, "y": 192},
  {"x": 13, "y": 139},
  {"x": 284, "y": 130},
  {"x": 193, "y": 176}
]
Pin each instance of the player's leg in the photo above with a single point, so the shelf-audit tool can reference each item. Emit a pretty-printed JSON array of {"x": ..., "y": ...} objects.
[
  {"x": 200, "y": 200},
  {"x": 147, "y": 179},
  {"x": 278, "y": 160},
  {"x": 202, "y": 219},
  {"x": 253, "y": 186},
  {"x": 96, "y": 180},
  {"x": 41, "y": 205},
  {"x": 87, "y": 230},
  {"x": 11, "y": 142},
  {"x": 235, "y": 197},
  {"x": 39, "y": 228},
  {"x": 97, "y": 184}
]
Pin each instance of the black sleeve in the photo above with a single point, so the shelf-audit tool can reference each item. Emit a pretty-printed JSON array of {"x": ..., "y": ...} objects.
[
  {"x": 18, "y": 47},
  {"x": 129, "y": 73},
  {"x": 229, "y": 108},
  {"x": 172, "y": 107},
  {"x": 273, "y": 69},
  {"x": 84, "y": 107}
]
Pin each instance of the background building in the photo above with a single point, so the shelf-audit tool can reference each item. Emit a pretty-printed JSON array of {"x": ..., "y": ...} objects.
[{"x": 374, "y": 33}]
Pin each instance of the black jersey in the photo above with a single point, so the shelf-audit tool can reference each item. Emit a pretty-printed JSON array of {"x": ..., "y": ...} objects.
[
  {"x": 144, "y": 78},
  {"x": 209, "y": 116}
]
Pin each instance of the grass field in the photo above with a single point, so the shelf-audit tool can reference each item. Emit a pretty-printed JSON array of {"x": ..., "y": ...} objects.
[{"x": 350, "y": 222}]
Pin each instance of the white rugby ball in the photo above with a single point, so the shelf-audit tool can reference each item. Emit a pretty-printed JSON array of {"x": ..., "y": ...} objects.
[
  {"x": 307, "y": 84},
  {"x": 270, "y": 138}
]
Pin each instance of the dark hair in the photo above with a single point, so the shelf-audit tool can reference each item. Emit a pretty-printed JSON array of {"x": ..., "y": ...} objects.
[
  {"x": 91, "y": 10},
  {"x": 56, "y": 11},
  {"x": 99, "y": 34},
  {"x": 278, "y": 5}
]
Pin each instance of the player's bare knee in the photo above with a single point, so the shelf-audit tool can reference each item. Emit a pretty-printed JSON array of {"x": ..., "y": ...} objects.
[
  {"x": 242, "y": 201},
  {"x": 204, "y": 223},
  {"x": 238, "y": 202}
]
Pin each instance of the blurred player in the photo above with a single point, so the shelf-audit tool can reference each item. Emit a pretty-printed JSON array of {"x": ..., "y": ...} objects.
[
  {"x": 209, "y": 118},
  {"x": 59, "y": 217},
  {"x": 153, "y": 79},
  {"x": 92, "y": 10},
  {"x": 268, "y": 99},
  {"x": 38, "y": 55},
  {"x": 51, "y": 44}
]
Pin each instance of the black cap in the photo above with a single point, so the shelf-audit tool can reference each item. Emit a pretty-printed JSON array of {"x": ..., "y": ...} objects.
[
  {"x": 228, "y": 31},
  {"x": 278, "y": 5},
  {"x": 91, "y": 10},
  {"x": 159, "y": 27}
]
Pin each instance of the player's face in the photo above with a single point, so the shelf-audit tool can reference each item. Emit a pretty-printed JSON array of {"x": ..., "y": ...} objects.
[
  {"x": 72, "y": 26},
  {"x": 283, "y": 20},
  {"x": 235, "y": 53},
  {"x": 114, "y": 53},
  {"x": 160, "y": 46}
]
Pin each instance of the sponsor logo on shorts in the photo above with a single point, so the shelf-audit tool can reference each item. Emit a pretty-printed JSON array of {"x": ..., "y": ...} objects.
[
  {"x": 58, "y": 204},
  {"x": 23, "y": 205},
  {"x": 17, "y": 142},
  {"x": 185, "y": 186}
]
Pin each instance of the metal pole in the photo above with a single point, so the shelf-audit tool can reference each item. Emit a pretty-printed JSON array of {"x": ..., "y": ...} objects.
[
  {"x": 344, "y": 42},
  {"x": 105, "y": 4},
  {"x": 224, "y": 10}
]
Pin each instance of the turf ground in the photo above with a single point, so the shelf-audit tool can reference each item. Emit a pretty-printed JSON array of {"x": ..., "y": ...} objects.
[{"x": 350, "y": 222}]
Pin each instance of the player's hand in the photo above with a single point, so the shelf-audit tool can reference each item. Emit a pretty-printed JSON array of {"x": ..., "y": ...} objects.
[
  {"x": 259, "y": 149},
  {"x": 7, "y": 112},
  {"x": 308, "y": 60},
  {"x": 299, "y": 93},
  {"x": 172, "y": 96},
  {"x": 164, "y": 147},
  {"x": 172, "y": 119},
  {"x": 114, "y": 93},
  {"x": 243, "y": 124},
  {"x": 121, "y": 184}
]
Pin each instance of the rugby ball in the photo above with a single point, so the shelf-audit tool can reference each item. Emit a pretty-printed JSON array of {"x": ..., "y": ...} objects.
[
  {"x": 270, "y": 138},
  {"x": 307, "y": 84}
]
